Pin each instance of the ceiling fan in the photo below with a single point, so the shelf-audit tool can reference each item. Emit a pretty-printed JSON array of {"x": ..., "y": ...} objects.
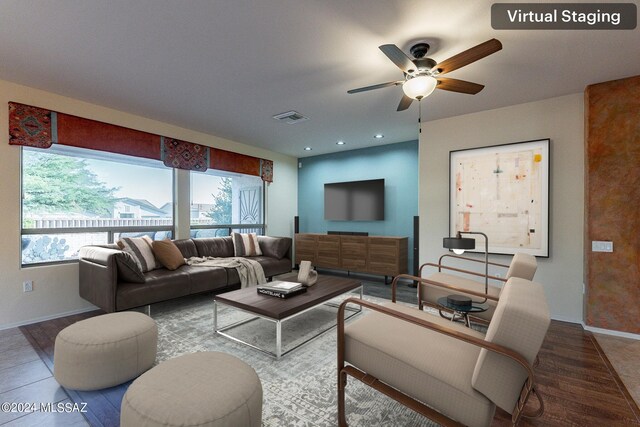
[{"x": 422, "y": 75}]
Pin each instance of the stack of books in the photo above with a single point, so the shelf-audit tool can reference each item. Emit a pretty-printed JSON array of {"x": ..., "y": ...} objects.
[{"x": 280, "y": 289}]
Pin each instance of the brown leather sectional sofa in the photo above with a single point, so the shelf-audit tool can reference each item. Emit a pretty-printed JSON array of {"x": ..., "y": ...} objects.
[{"x": 106, "y": 280}]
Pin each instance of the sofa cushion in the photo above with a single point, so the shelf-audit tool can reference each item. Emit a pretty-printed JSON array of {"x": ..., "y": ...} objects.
[
  {"x": 160, "y": 285},
  {"x": 187, "y": 247},
  {"x": 203, "y": 279},
  {"x": 272, "y": 266},
  {"x": 276, "y": 247},
  {"x": 141, "y": 250},
  {"x": 429, "y": 366},
  {"x": 431, "y": 293},
  {"x": 128, "y": 268},
  {"x": 245, "y": 244},
  {"x": 168, "y": 254},
  {"x": 214, "y": 246},
  {"x": 519, "y": 323}
]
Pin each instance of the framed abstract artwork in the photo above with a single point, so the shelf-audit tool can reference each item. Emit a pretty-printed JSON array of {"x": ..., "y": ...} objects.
[{"x": 502, "y": 191}]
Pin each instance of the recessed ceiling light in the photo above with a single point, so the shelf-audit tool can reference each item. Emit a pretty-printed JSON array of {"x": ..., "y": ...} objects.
[
  {"x": 340, "y": 143},
  {"x": 378, "y": 136},
  {"x": 307, "y": 148}
]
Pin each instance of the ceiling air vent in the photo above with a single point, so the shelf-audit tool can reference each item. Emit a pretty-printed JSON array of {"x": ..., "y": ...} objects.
[{"x": 290, "y": 117}]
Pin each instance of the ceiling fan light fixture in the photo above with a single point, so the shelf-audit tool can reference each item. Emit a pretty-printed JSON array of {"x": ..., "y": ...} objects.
[{"x": 419, "y": 87}]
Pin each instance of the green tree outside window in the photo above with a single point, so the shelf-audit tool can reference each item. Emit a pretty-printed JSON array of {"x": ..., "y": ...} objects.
[{"x": 220, "y": 213}]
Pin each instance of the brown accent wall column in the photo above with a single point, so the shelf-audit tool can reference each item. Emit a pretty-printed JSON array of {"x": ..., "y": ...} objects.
[{"x": 612, "y": 198}]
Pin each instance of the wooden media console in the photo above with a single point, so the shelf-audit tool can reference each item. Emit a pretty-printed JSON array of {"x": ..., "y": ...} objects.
[{"x": 382, "y": 255}]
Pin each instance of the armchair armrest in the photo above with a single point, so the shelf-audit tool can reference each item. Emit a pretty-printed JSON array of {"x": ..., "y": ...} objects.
[
  {"x": 470, "y": 259},
  {"x": 440, "y": 266},
  {"x": 460, "y": 270},
  {"x": 527, "y": 388},
  {"x": 435, "y": 283}
]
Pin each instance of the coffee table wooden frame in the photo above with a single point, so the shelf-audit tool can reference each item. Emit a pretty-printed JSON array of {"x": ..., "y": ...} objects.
[{"x": 279, "y": 311}]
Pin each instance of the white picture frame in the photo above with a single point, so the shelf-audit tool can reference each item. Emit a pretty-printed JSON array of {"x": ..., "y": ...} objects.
[{"x": 502, "y": 191}]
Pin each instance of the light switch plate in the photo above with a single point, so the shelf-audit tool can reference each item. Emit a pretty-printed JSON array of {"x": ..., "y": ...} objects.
[{"x": 601, "y": 246}]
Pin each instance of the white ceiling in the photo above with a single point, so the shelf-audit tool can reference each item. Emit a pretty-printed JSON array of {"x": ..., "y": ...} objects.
[{"x": 225, "y": 67}]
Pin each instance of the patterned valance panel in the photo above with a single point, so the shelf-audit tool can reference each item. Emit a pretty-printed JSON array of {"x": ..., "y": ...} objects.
[
  {"x": 31, "y": 126},
  {"x": 234, "y": 162},
  {"x": 94, "y": 135},
  {"x": 184, "y": 155},
  {"x": 266, "y": 170}
]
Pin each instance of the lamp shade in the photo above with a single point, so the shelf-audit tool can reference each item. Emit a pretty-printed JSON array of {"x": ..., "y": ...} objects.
[
  {"x": 463, "y": 243},
  {"x": 419, "y": 87}
]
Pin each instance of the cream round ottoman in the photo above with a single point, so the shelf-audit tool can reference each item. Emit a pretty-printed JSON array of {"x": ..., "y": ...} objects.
[
  {"x": 208, "y": 389},
  {"x": 105, "y": 351}
]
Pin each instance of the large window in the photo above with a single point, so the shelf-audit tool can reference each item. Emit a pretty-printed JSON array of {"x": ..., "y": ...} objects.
[
  {"x": 222, "y": 202},
  {"x": 73, "y": 197}
]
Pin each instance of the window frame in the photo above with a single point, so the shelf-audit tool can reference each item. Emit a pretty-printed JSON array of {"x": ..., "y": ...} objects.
[
  {"x": 109, "y": 230},
  {"x": 230, "y": 227}
]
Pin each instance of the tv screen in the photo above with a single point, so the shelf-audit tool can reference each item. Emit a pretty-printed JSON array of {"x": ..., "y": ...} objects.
[{"x": 354, "y": 201}]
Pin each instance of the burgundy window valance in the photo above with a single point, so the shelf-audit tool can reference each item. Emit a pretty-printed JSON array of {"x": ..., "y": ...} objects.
[
  {"x": 93, "y": 135},
  {"x": 37, "y": 127},
  {"x": 234, "y": 162}
]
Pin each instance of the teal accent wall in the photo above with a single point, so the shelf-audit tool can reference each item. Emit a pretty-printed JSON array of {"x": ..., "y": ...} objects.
[{"x": 397, "y": 164}]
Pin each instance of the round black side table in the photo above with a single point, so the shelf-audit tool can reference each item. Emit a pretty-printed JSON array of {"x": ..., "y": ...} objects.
[{"x": 461, "y": 312}]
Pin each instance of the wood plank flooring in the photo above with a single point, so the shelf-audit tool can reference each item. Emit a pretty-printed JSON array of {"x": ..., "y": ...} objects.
[
  {"x": 576, "y": 380},
  {"x": 578, "y": 384}
]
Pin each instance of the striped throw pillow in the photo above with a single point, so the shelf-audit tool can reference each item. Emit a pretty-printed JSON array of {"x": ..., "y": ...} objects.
[
  {"x": 141, "y": 250},
  {"x": 245, "y": 244}
]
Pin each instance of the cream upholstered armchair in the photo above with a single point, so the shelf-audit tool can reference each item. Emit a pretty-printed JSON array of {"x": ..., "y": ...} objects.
[
  {"x": 451, "y": 374},
  {"x": 443, "y": 283}
]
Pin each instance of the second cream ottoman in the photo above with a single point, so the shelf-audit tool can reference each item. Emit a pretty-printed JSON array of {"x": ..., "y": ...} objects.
[{"x": 207, "y": 389}]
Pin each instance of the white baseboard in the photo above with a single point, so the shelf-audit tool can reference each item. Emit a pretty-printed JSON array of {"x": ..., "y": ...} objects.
[
  {"x": 567, "y": 319},
  {"x": 45, "y": 318},
  {"x": 611, "y": 332}
]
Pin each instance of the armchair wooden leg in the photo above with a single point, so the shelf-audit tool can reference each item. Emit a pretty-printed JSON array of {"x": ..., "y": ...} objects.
[{"x": 342, "y": 383}]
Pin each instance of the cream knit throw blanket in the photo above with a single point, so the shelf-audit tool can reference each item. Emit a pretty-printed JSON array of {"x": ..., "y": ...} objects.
[{"x": 250, "y": 271}]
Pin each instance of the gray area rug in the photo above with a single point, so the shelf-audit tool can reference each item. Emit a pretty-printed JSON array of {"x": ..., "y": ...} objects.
[{"x": 300, "y": 388}]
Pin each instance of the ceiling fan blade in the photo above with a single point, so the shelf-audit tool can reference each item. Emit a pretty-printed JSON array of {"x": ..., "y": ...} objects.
[
  {"x": 378, "y": 86},
  {"x": 398, "y": 57},
  {"x": 455, "y": 85},
  {"x": 469, "y": 56},
  {"x": 405, "y": 102}
]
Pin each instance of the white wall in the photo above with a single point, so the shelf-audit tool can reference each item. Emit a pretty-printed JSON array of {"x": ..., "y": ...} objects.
[
  {"x": 560, "y": 119},
  {"x": 56, "y": 287}
]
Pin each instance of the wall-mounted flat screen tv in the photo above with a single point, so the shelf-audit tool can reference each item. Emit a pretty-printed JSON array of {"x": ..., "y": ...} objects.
[{"x": 354, "y": 201}]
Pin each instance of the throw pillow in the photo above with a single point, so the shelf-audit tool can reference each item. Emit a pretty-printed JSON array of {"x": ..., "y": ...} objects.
[
  {"x": 245, "y": 244},
  {"x": 275, "y": 247},
  {"x": 128, "y": 268},
  {"x": 168, "y": 254},
  {"x": 141, "y": 250}
]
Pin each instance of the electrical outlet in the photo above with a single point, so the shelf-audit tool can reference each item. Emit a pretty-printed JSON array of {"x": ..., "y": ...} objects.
[{"x": 27, "y": 286}]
